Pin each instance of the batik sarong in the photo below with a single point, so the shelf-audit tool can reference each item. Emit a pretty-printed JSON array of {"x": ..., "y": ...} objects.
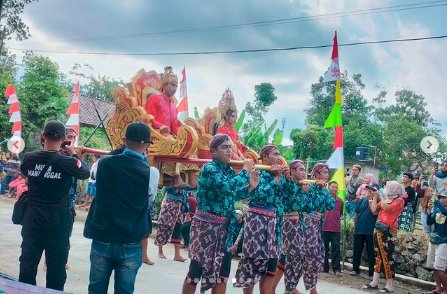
[
  {"x": 170, "y": 222},
  {"x": 312, "y": 250},
  {"x": 292, "y": 247},
  {"x": 405, "y": 219},
  {"x": 210, "y": 261},
  {"x": 384, "y": 244},
  {"x": 260, "y": 251}
]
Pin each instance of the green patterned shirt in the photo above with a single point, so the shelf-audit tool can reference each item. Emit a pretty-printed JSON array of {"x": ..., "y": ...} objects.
[{"x": 219, "y": 188}]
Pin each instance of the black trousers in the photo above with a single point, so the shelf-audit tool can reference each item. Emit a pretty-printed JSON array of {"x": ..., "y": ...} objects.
[
  {"x": 55, "y": 244},
  {"x": 359, "y": 243},
  {"x": 331, "y": 241}
]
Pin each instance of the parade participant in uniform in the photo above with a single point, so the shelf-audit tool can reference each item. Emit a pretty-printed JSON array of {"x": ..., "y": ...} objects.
[
  {"x": 228, "y": 113},
  {"x": 117, "y": 220},
  {"x": 262, "y": 234},
  {"x": 47, "y": 219},
  {"x": 170, "y": 220},
  {"x": 295, "y": 202},
  {"x": 219, "y": 188},
  {"x": 313, "y": 249},
  {"x": 163, "y": 108}
]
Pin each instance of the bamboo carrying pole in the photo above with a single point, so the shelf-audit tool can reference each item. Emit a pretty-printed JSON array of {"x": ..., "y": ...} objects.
[{"x": 198, "y": 161}]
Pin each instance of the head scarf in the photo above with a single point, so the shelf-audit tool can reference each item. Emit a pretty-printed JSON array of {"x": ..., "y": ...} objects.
[
  {"x": 394, "y": 189},
  {"x": 217, "y": 140},
  {"x": 371, "y": 179},
  {"x": 318, "y": 168},
  {"x": 266, "y": 150},
  {"x": 295, "y": 164}
]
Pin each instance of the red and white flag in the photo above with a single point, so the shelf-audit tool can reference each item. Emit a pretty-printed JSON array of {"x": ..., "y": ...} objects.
[
  {"x": 333, "y": 72},
  {"x": 182, "y": 107},
  {"x": 14, "y": 111},
  {"x": 73, "y": 111}
]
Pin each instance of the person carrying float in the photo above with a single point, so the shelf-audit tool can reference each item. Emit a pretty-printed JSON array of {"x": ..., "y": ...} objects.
[
  {"x": 295, "y": 202},
  {"x": 219, "y": 187},
  {"x": 262, "y": 234},
  {"x": 312, "y": 248}
]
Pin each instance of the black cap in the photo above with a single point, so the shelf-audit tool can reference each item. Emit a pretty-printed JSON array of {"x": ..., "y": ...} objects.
[
  {"x": 373, "y": 187},
  {"x": 54, "y": 130},
  {"x": 138, "y": 132}
]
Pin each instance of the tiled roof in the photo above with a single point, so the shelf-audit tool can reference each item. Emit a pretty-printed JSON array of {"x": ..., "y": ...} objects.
[{"x": 88, "y": 116}]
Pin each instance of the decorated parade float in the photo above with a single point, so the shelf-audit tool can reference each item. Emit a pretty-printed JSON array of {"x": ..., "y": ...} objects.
[{"x": 179, "y": 153}]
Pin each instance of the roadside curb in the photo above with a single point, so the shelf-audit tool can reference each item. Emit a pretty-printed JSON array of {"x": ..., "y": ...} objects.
[{"x": 401, "y": 278}]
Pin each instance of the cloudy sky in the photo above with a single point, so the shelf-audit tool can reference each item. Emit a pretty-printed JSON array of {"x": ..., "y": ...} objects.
[{"x": 128, "y": 27}]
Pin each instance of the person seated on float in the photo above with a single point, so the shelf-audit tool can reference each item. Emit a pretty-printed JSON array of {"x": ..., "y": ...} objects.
[
  {"x": 228, "y": 112},
  {"x": 164, "y": 110}
]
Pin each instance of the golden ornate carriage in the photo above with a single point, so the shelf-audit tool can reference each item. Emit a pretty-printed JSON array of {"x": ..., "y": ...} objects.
[{"x": 193, "y": 137}]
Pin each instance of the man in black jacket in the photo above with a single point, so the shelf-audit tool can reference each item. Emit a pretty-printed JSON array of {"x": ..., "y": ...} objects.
[
  {"x": 47, "y": 219},
  {"x": 117, "y": 220}
]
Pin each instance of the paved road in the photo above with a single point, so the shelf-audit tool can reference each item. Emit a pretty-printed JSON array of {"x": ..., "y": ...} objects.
[{"x": 166, "y": 276}]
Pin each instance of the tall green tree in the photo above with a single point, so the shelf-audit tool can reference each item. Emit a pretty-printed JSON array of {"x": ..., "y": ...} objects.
[
  {"x": 10, "y": 12},
  {"x": 42, "y": 96},
  {"x": 100, "y": 87},
  {"x": 256, "y": 110},
  {"x": 359, "y": 129},
  {"x": 405, "y": 123}
]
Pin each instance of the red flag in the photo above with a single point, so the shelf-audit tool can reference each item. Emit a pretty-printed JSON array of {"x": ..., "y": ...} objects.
[
  {"x": 14, "y": 108},
  {"x": 76, "y": 89},
  {"x": 17, "y": 126},
  {"x": 335, "y": 47},
  {"x": 9, "y": 90},
  {"x": 74, "y": 108},
  {"x": 338, "y": 140}
]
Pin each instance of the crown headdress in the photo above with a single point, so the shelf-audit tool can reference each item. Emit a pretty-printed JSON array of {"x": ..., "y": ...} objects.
[
  {"x": 169, "y": 76},
  {"x": 226, "y": 103}
]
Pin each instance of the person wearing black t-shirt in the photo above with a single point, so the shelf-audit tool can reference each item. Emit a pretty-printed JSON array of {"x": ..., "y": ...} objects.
[
  {"x": 406, "y": 219},
  {"x": 118, "y": 220},
  {"x": 47, "y": 218}
]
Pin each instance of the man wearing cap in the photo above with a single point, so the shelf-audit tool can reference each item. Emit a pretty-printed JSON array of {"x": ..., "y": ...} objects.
[
  {"x": 406, "y": 220},
  {"x": 117, "y": 220},
  {"x": 364, "y": 222},
  {"x": 47, "y": 218},
  {"x": 219, "y": 188}
]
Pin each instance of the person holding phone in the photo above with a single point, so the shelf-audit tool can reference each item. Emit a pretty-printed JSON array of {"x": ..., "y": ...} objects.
[
  {"x": 47, "y": 219},
  {"x": 364, "y": 221}
]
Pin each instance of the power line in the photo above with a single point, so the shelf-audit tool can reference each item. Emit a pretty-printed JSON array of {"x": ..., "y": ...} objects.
[
  {"x": 237, "y": 51},
  {"x": 402, "y": 7}
]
